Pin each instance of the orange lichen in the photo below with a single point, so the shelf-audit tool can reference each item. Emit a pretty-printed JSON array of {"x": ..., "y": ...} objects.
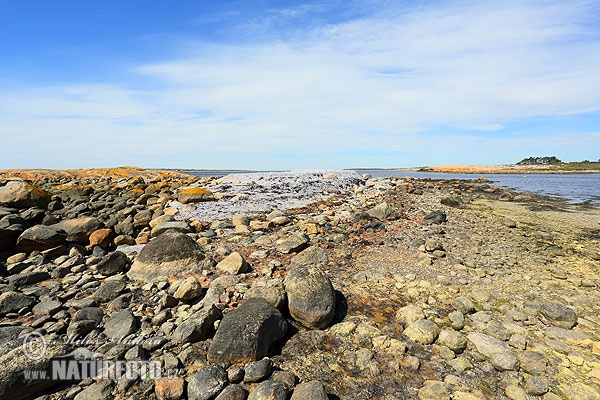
[
  {"x": 196, "y": 191},
  {"x": 137, "y": 190}
]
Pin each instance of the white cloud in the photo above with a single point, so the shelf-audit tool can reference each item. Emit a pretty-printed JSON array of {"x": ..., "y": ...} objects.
[{"x": 369, "y": 84}]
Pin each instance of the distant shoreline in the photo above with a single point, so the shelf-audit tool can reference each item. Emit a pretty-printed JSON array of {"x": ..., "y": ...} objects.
[{"x": 568, "y": 168}]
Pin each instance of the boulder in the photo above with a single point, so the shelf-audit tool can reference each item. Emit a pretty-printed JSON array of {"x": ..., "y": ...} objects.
[
  {"x": 189, "y": 289},
  {"x": 271, "y": 390},
  {"x": 207, "y": 383},
  {"x": 112, "y": 263},
  {"x": 558, "y": 315},
  {"x": 21, "y": 194},
  {"x": 423, "y": 331},
  {"x": 498, "y": 352},
  {"x": 172, "y": 253},
  {"x": 78, "y": 229},
  {"x": 382, "y": 211},
  {"x": 11, "y": 302},
  {"x": 271, "y": 290},
  {"x": 120, "y": 325},
  {"x": 233, "y": 264},
  {"x": 313, "y": 255},
  {"x": 194, "y": 195},
  {"x": 179, "y": 226},
  {"x": 311, "y": 298},
  {"x": 15, "y": 363},
  {"x": 246, "y": 333},
  {"x": 198, "y": 326},
  {"x": 292, "y": 242},
  {"x": 101, "y": 237},
  {"x": 40, "y": 238},
  {"x": 312, "y": 390}
]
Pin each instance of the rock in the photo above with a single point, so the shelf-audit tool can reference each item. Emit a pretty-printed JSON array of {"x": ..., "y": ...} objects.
[
  {"x": 270, "y": 390},
  {"x": 312, "y": 390},
  {"x": 499, "y": 353},
  {"x": 422, "y": 331},
  {"x": 582, "y": 391},
  {"x": 40, "y": 238},
  {"x": 28, "y": 278},
  {"x": 11, "y": 302},
  {"x": 246, "y": 333},
  {"x": 233, "y": 264},
  {"x": 233, "y": 392},
  {"x": 463, "y": 305},
  {"x": 207, "y": 383},
  {"x": 198, "y": 326},
  {"x": 79, "y": 229},
  {"x": 169, "y": 388},
  {"x": 452, "y": 201},
  {"x": 189, "y": 289},
  {"x": 532, "y": 362},
  {"x": 435, "y": 217},
  {"x": 272, "y": 291},
  {"x": 536, "y": 386},
  {"x": 47, "y": 307},
  {"x": 409, "y": 314},
  {"x": 558, "y": 315},
  {"x": 112, "y": 263},
  {"x": 453, "y": 340},
  {"x": 313, "y": 255},
  {"x": 16, "y": 362},
  {"x": 101, "y": 390},
  {"x": 434, "y": 390},
  {"x": 109, "y": 290},
  {"x": 514, "y": 392},
  {"x": 194, "y": 195},
  {"x": 170, "y": 254},
  {"x": 21, "y": 194},
  {"x": 311, "y": 298},
  {"x": 79, "y": 329},
  {"x": 382, "y": 211},
  {"x": 292, "y": 242},
  {"x": 258, "y": 370},
  {"x": 177, "y": 226},
  {"x": 120, "y": 325},
  {"x": 101, "y": 237},
  {"x": 89, "y": 313}
]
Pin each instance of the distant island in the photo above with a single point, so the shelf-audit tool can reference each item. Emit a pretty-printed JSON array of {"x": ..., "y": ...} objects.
[{"x": 529, "y": 165}]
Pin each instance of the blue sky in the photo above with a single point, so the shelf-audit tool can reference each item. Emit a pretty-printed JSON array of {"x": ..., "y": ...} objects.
[{"x": 297, "y": 84}]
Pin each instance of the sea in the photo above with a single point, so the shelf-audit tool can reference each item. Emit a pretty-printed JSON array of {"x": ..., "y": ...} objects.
[{"x": 575, "y": 188}]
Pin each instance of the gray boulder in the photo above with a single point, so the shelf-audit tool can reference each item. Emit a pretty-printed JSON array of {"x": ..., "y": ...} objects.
[
  {"x": 198, "y": 326},
  {"x": 172, "y": 253},
  {"x": 120, "y": 325},
  {"x": 271, "y": 390},
  {"x": 496, "y": 351},
  {"x": 313, "y": 255},
  {"x": 40, "y": 238},
  {"x": 247, "y": 333},
  {"x": 179, "y": 226},
  {"x": 11, "y": 302},
  {"x": 207, "y": 383},
  {"x": 383, "y": 211},
  {"x": 292, "y": 242},
  {"x": 78, "y": 229},
  {"x": 112, "y": 263},
  {"x": 558, "y": 315},
  {"x": 311, "y": 298}
]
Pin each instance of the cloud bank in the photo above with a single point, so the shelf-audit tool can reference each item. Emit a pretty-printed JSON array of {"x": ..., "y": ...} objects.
[{"x": 382, "y": 86}]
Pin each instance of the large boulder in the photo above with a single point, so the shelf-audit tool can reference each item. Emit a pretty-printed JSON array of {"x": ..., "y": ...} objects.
[
  {"x": 172, "y": 253},
  {"x": 198, "y": 326},
  {"x": 313, "y": 255},
  {"x": 382, "y": 211},
  {"x": 21, "y": 194},
  {"x": 194, "y": 195},
  {"x": 311, "y": 298},
  {"x": 15, "y": 384},
  {"x": 40, "y": 238},
  {"x": 11, "y": 228},
  {"x": 11, "y": 302},
  {"x": 496, "y": 351},
  {"x": 207, "y": 383},
  {"x": 78, "y": 229},
  {"x": 247, "y": 333}
]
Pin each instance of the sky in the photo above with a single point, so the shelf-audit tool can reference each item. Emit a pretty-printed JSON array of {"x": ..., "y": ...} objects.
[{"x": 274, "y": 85}]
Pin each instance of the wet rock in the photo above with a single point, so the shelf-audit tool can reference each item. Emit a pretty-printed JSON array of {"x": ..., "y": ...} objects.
[
  {"x": 207, "y": 383},
  {"x": 496, "y": 351},
  {"x": 247, "y": 333},
  {"x": 21, "y": 194},
  {"x": 312, "y": 390},
  {"x": 78, "y": 229},
  {"x": 422, "y": 331},
  {"x": 170, "y": 254},
  {"x": 233, "y": 264},
  {"x": 311, "y": 298},
  {"x": 198, "y": 326},
  {"x": 120, "y": 325},
  {"x": 40, "y": 238},
  {"x": 270, "y": 390},
  {"x": 292, "y": 242}
]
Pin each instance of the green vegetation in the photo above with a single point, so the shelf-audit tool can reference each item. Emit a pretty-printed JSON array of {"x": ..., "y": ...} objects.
[
  {"x": 558, "y": 165},
  {"x": 539, "y": 161}
]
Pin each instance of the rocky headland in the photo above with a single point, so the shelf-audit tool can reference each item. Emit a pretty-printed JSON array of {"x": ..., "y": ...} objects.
[{"x": 301, "y": 285}]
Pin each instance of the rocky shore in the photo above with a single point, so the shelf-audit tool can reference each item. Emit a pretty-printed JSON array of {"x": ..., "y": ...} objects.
[{"x": 302, "y": 285}]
